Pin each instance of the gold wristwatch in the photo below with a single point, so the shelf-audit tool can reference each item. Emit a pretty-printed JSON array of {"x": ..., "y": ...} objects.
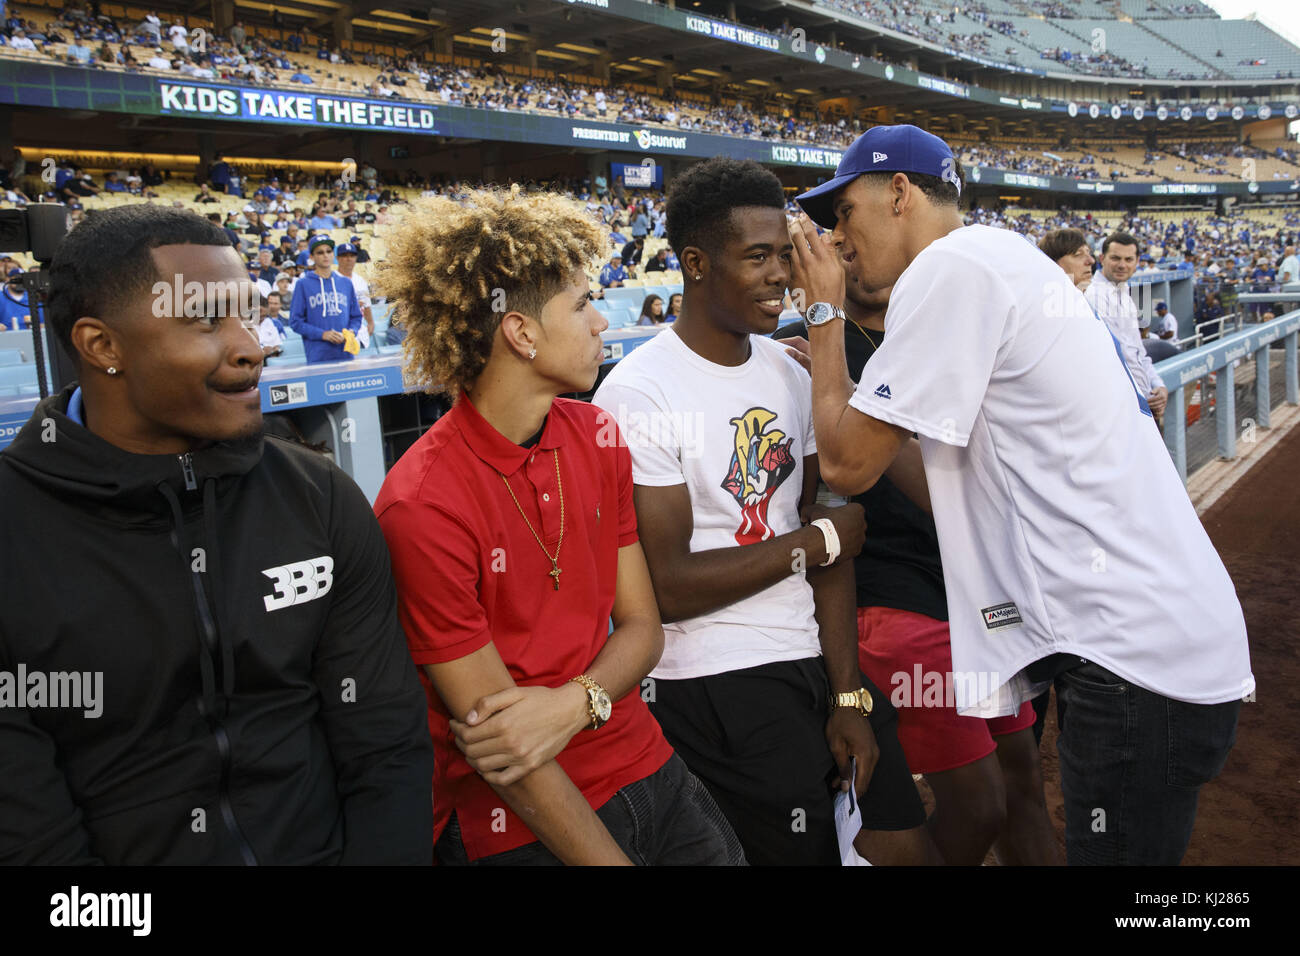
[
  {"x": 599, "y": 706},
  {"x": 860, "y": 698}
]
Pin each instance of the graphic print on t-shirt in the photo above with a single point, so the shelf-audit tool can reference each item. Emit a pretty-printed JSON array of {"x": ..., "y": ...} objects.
[{"x": 760, "y": 463}]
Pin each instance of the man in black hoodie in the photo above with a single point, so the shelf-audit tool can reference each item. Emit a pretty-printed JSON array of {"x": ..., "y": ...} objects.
[{"x": 230, "y": 593}]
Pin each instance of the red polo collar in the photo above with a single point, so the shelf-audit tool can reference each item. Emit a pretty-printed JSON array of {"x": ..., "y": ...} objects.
[{"x": 494, "y": 448}]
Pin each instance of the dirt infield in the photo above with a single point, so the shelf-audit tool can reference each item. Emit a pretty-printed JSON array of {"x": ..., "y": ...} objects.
[{"x": 1250, "y": 815}]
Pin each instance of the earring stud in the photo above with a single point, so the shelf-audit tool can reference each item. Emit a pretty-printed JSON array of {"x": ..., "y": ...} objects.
[
  {"x": 532, "y": 354},
  {"x": 112, "y": 370}
]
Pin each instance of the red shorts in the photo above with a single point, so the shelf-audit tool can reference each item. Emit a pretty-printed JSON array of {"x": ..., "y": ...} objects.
[{"x": 909, "y": 656}]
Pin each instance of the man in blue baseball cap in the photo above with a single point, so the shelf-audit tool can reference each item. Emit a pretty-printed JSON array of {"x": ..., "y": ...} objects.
[
  {"x": 15, "y": 312},
  {"x": 348, "y": 258},
  {"x": 884, "y": 149},
  {"x": 1032, "y": 436}
]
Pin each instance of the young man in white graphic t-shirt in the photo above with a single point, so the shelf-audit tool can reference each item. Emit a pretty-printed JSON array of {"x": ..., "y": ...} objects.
[
  {"x": 1034, "y": 437},
  {"x": 758, "y": 688}
]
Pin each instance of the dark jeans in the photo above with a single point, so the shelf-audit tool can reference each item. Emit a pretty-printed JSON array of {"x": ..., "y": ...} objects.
[
  {"x": 757, "y": 738},
  {"x": 1132, "y": 765},
  {"x": 665, "y": 819}
]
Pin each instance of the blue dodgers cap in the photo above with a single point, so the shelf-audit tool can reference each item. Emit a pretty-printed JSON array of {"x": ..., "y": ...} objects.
[
  {"x": 882, "y": 149},
  {"x": 347, "y": 249},
  {"x": 321, "y": 239}
]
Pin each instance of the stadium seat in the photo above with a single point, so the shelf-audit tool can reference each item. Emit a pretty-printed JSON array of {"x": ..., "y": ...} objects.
[
  {"x": 624, "y": 298},
  {"x": 15, "y": 376},
  {"x": 293, "y": 350},
  {"x": 11, "y": 357},
  {"x": 621, "y": 318}
]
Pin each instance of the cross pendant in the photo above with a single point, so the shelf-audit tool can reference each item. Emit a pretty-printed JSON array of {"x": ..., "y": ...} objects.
[{"x": 555, "y": 573}]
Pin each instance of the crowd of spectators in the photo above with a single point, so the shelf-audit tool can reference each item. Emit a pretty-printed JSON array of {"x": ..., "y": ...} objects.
[
  {"x": 1227, "y": 254},
  {"x": 1040, "y": 162},
  {"x": 246, "y": 58},
  {"x": 936, "y": 23}
]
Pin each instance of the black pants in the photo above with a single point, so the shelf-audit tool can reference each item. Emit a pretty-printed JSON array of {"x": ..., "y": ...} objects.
[
  {"x": 1132, "y": 766},
  {"x": 665, "y": 819},
  {"x": 757, "y": 739}
]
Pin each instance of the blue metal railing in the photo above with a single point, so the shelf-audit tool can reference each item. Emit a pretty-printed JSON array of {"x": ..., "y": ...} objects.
[{"x": 1219, "y": 358}]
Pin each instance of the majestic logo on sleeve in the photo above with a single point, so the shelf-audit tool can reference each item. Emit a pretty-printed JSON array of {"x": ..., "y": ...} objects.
[
  {"x": 762, "y": 460},
  {"x": 300, "y": 582}
]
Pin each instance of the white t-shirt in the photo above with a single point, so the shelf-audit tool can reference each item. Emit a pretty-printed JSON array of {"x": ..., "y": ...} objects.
[
  {"x": 689, "y": 421},
  {"x": 362, "y": 288},
  {"x": 1063, "y": 525},
  {"x": 1162, "y": 324},
  {"x": 178, "y": 35},
  {"x": 268, "y": 334}
]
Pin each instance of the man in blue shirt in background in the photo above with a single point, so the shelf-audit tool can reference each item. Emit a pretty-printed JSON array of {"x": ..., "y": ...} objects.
[
  {"x": 15, "y": 312},
  {"x": 613, "y": 274}
]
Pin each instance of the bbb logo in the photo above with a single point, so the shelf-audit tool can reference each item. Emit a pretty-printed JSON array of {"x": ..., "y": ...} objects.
[
  {"x": 878, "y": 158},
  {"x": 300, "y": 582}
]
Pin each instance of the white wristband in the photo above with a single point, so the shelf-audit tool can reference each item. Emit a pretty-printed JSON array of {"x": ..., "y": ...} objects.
[{"x": 832, "y": 539}]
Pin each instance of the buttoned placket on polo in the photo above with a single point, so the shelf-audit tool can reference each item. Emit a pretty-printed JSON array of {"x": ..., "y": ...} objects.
[
  {"x": 535, "y": 483},
  {"x": 532, "y": 479}
]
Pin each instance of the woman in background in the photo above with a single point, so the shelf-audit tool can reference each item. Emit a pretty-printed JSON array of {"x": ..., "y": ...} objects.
[
  {"x": 652, "y": 311},
  {"x": 674, "y": 307}
]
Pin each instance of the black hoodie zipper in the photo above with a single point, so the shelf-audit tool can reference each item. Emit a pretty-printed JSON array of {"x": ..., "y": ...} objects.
[
  {"x": 214, "y": 721},
  {"x": 187, "y": 469}
]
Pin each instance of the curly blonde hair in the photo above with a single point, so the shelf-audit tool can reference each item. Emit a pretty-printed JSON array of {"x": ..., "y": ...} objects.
[{"x": 454, "y": 268}]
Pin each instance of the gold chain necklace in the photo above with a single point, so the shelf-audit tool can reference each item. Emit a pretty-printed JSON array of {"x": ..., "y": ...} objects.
[
  {"x": 555, "y": 565},
  {"x": 874, "y": 343}
]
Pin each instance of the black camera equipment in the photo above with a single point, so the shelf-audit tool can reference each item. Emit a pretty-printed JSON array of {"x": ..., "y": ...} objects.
[{"x": 39, "y": 228}]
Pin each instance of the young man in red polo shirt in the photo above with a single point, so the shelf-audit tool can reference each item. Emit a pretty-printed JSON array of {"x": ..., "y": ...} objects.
[{"x": 513, "y": 539}]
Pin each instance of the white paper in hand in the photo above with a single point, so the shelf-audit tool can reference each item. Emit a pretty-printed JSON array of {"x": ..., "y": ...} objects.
[{"x": 848, "y": 820}]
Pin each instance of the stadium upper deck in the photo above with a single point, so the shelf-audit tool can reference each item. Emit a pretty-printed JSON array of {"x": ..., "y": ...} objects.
[
  {"x": 1138, "y": 39},
  {"x": 591, "y": 64}
]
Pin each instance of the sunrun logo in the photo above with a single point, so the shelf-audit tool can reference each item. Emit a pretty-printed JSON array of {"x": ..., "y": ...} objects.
[{"x": 648, "y": 140}]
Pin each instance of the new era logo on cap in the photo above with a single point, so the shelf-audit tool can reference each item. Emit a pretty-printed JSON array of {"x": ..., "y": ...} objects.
[{"x": 879, "y": 157}]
